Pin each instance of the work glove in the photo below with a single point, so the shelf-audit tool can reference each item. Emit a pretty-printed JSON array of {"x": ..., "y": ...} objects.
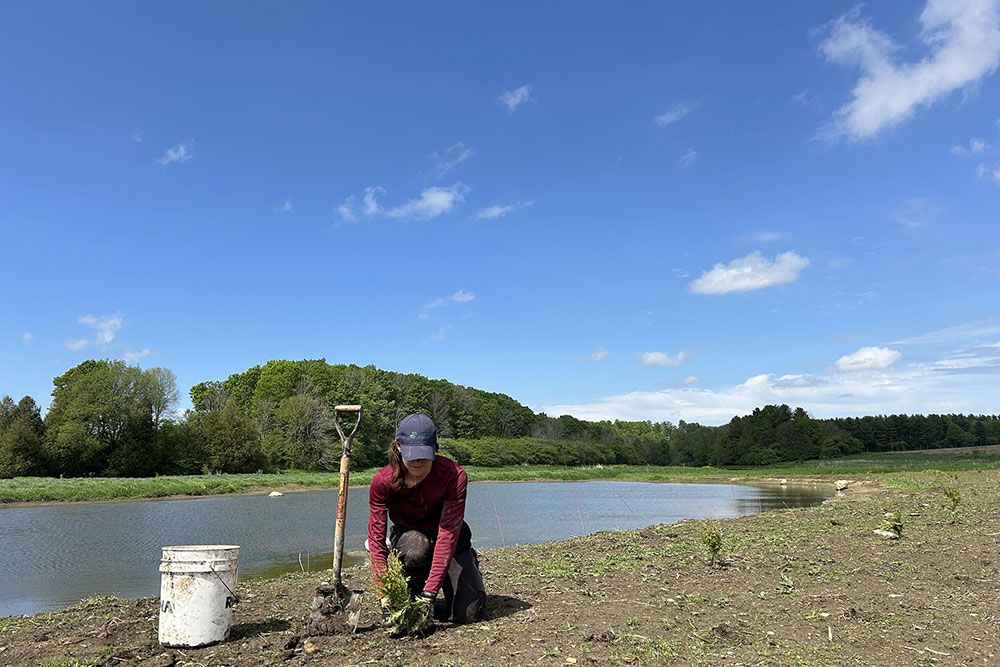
[{"x": 426, "y": 599}]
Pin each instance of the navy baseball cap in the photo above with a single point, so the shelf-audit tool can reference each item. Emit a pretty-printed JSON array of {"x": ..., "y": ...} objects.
[{"x": 417, "y": 437}]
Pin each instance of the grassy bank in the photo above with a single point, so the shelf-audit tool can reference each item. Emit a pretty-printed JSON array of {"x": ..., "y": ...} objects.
[
  {"x": 806, "y": 587},
  {"x": 46, "y": 489}
]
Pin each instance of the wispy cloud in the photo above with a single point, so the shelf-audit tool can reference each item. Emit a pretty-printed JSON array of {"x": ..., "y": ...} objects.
[
  {"x": 431, "y": 203},
  {"x": 961, "y": 381},
  {"x": 960, "y": 333},
  {"x": 133, "y": 356},
  {"x": 748, "y": 273},
  {"x": 105, "y": 327},
  {"x": 974, "y": 147},
  {"x": 988, "y": 172},
  {"x": 512, "y": 99},
  {"x": 285, "y": 207},
  {"x": 916, "y": 212},
  {"x": 599, "y": 355},
  {"x": 451, "y": 159},
  {"x": 962, "y": 40},
  {"x": 137, "y": 136},
  {"x": 461, "y": 296},
  {"x": 869, "y": 358},
  {"x": 346, "y": 210},
  {"x": 500, "y": 210},
  {"x": 765, "y": 236},
  {"x": 675, "y": 113},
  {"x": 691, "y": 379},
  {"x": 687, "y": 159},
  {"x": 27, "y": 336},
  {"x": 441, "y": 334},
  {"x": 179, "y": 153},
  {"x": 662, "y": 358}
]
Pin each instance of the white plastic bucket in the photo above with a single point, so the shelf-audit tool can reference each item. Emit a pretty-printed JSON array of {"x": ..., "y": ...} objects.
[{"x": 197, "y": 594}]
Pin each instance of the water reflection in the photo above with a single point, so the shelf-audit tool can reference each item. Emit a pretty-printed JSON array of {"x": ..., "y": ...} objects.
[{"x": 53, "y": 556}]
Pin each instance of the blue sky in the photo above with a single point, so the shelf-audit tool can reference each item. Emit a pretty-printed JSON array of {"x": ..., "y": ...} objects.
[{"x": 643, "y": 211}]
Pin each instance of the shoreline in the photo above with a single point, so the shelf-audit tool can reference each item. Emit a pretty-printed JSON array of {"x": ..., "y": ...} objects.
[{"x": 299, "y": 488}]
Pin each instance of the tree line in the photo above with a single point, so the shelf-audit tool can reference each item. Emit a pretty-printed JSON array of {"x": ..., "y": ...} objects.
[{"x": 108, "y": 418}]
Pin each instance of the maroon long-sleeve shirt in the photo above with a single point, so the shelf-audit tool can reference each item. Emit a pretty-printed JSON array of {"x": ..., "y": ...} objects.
[{"x": 435, "y": 506}]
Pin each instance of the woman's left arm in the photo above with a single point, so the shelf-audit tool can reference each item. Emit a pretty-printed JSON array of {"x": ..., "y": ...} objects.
[{"x": 452, "y": 516}]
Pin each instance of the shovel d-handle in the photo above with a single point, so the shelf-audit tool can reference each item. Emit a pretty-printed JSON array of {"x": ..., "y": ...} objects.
[{"x": 345, "y": 471}]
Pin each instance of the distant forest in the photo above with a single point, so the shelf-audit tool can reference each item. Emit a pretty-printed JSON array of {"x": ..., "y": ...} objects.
[{"x": 108, "y": 418}]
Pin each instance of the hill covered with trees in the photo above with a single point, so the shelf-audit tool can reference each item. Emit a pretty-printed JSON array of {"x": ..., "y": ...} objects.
[{"x": 108, "y": 418}]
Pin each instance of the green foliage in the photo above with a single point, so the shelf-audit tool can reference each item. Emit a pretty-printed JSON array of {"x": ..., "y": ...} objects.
[
  {"x": 21, "y": 435},
  {"x": 406, "y": 615},
  {"x": 892, "y": 523},
  {"x": 105, "y": 419},
  {"x": 231, "y": 441},
  {"x": 954, "y": 497},
  {"x": 711, "y": 539}
]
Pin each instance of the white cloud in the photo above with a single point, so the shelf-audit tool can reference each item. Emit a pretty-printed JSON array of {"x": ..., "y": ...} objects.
[
  {"x": 27, "y": 336},
  {"x": 691, "y": 379},
  {"x": 441, "y": 334},
  {"x": 675, "y": 113},
  {"x": 461, "y": 296},
  {"x": 962, "y": 39},
  {"x": 599, "y": 355},
  {"x": 767, "y": 236},
  {"x": 286, "y": 207},
  {"x": 969, "y": 331},
  {"x": 346, "y": 210},
  {"x": 431, "y": 203},
  {"x": 687, "y": 159},
  {"x": 512, "y": 99},
  {"x": 916, "y": 212},
  {"x": 975, "y": 147},
  {"x": 182, "y": 152},
  {"x": 498, "y": 211},
  {"x": 962, "y": 382},
  {"x": 750, "y": 273},
  {"x": 425, "y": 312},
  {"x": 988, "y": 172},
  {"x": 869, "y": 358},
  {"x": 454, "y": 157},
  {"x": 662, "y": 358},
  {"x": 131, "y": 355},
  {"x": 137, "y": 136},
  {"x": 106, "y": 327}
]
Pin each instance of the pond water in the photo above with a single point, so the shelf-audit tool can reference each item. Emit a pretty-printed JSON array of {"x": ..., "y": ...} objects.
[{"x": 54, "y": 555}]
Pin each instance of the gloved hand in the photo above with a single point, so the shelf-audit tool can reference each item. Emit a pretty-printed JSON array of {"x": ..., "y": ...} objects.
[{"x": 427, "y": 610}]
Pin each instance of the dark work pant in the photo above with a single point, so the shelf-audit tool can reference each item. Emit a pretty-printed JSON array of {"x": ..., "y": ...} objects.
[{"x": 464, "y": 592}]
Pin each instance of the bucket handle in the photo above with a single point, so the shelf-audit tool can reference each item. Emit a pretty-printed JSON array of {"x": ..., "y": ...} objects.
[{"x": 236, "y": 598}]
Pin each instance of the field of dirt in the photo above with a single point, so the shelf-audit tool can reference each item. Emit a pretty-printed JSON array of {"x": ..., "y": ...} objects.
[{"x": 795, "y": 587}]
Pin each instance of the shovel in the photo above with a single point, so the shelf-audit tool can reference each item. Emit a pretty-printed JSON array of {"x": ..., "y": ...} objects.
[{"x": 331, "y": 601}]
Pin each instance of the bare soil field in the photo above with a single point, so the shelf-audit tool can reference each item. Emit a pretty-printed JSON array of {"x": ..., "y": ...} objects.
[{"x": 795, "y": 587}]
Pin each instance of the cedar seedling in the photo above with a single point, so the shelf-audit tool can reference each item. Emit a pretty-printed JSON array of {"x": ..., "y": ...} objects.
[
  {"x": 954, "y": 496},
  {"x": 892, "y": 523},
  {"x": 711, "y": 537},
  {"x": 406, "y": 615}
]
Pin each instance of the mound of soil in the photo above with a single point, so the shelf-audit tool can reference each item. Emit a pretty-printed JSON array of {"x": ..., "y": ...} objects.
[{"x": 795, "y": 587}]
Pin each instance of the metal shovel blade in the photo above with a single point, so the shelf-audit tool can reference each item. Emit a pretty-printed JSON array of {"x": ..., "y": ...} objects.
[{"x": 334, "y": 608}]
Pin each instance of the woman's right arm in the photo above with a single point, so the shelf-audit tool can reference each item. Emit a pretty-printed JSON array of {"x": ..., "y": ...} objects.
[{"x": 377, "y": 520}]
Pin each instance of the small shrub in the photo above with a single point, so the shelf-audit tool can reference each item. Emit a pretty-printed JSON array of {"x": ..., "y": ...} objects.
[
  {"x": 711, "y": 538},
  {"x": 892, "y": 523},
  {"x": 954, "y": 496},
  {"x": 406, "y": 615}
]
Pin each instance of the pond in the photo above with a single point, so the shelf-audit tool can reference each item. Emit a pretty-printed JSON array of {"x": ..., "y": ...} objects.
[{"x": 52, "y": 556}]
